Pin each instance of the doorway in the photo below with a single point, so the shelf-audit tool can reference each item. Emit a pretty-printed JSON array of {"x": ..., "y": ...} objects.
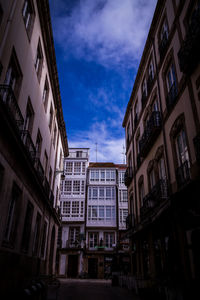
[
  {"x": 72, "y": 271},
  {"x": 92, "y": 267}
]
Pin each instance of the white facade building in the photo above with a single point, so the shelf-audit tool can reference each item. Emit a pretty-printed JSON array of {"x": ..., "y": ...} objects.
[{"x": 72, "y": 199}]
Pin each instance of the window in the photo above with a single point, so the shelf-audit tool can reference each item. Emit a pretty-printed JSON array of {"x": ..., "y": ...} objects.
[
  {"x": 144, "y": 88},
  {"x": 164, "y": 31},
  {"x": 28, "y": 122},
  {"x": 38, "y": 145},
  {"x": 93, "y": 240},
  {"x": 109, "y": 239},
  {"x": 94, "y": 175},
  {"x": 36, "y": 234},
  {"x": 121, "y": 177},
  {"x": 82, "y": 209},
  {"x": 74, "y": 236},
  {"x": 79, "y": 153},
  {"x": 27, "y": 227},
  {"x": 77, "y": 168},
  {"x": 94, "y": 193},
  {"x": 43, "y": 243},
  {"x": 66, "y": 208},
  {"x": 75, "y": 208},
  {"x": 161, "y": 168},
  {"x": 123, "y": 196},
  {"x": 151, "y": 179},
  {"x": 94, "y": 212},
  {"x": 45, "y": 94},
  {"x": 171, "y": 77},
  {"x": 50, "y": 117},
  {"x": 68, "y": 168},
  {"x": 181, "y": 148},
  {"x": 141, "y": 193},
  {"x": 123, "y": 214},
  {"x": 39, "y": 61},
  {"x": 83, "y": 168},
  {"x": 110, "y": 175},
  {"x": 151, "y": 70},
  {"x": 28, "y": 16},
  {"x": 14, "y": 75},
  {"x": 155, "y": 105},
  {"x": 82, "y": 187},
  {"x": 12, "y": 217},
  {"x": 101, "y": 193},
  {"x": 76, "y": 186},
  {"x": 102, "y": 175},
  {"x": 128, "y": 134},
  {"x": 101, "y": 212},
  {"x": 68, "y": 186}
]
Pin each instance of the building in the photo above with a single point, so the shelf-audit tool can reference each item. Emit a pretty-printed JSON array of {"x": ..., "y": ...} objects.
[
  {"x": 163, "y": 143},
  {"x": 33, "y": 143},
  {"x": 72, "y": 198},
  {"x": 94, "y": 207}
]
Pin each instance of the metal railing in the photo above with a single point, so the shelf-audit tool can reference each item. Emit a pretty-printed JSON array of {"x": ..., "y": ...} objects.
[
  {"x": 8, "y": 98},
  {"x": 151, "y": 129}
]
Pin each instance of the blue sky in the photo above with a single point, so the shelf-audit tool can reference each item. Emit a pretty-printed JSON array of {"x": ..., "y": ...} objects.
[{"x": 98, "y": 46}]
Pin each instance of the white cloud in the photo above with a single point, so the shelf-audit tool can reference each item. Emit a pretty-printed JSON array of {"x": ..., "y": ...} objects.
[
  {"x": 109, "y": 32},
  {"x": 109, "y": 149}
]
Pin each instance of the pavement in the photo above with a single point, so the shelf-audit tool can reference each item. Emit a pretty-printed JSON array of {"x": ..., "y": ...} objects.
[{"x": 86, "y": 289}]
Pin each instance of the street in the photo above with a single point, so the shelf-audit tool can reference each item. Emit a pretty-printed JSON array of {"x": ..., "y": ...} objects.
[{"x": 90, "y": 289}]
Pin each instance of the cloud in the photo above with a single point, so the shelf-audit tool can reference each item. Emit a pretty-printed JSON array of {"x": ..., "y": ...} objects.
[
  {"x": 109, "y": 149},
  {"x": 109, "y": 32}
]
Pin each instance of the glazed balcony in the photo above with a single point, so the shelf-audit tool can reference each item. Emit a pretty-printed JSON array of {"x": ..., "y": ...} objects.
[
  {"x": 130, "y": 221},
  {"x": 171, "y": 96},
  {"x": 163, "y": 45},
  {"x": 189, "y": 52},
  {"x": 151, "y": 131},
  {"x": 183, "y": 174},
  {"x": 8, "y": 98},
  {"x": 128, "y": 176},
  {"x": 197, "y": 147},
  {"x": 157, "y": 195},
  {"x": 28, "y": 143}
]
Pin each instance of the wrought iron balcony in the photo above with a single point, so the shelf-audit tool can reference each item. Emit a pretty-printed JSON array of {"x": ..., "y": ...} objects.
[
  {"x": 189, "y": 52},
  {"x": 163, "y": 45},
  {"x": 28, "y": 143},
  {"x": 172, "y": 95},
  {"x": 197, "y": 147},
  {"x": 144, "y": 99},
  {"x": 73, "y": 244},
  {"x": 128, "y": 176},
  {"x": 39, "y": 169},
  {"x": 157, "y": 195},
  {"x": 130, "y": 221},
  {"x": 8, "y": 98},
  {"x": 150, "y": 133},
  {"x": 183, "y": 174}
]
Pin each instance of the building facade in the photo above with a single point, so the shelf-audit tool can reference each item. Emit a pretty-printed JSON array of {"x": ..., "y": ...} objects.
[
  {"x": 33, "y": 143},
  {"x": 72, "y": 198},
  {"x": 93, "y": 218},
  {"x": 163, "y": 143}
]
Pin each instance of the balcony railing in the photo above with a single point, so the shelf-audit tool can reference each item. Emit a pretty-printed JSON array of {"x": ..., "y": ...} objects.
[
  {"x": 163, "y": 45},
  {"x": 157, "y": 195},
  {"x": 128, "y": 176},
  {"x": 197, "y": 147},
  {"x": 39, "y": 169},
  {"x": 7, "y": 96},
  {"x": 172, "y": 95},
  {"x": 130, "y": 221},
  {"x": 189, "y": 52},
  {"x": 150, "y": 133},
  {"x": 73, "y": 244},
  {"x": 183, "y": 174},
  {"x": 28, "y": 143}
]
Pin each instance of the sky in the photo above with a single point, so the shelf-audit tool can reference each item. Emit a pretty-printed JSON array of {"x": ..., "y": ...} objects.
[{"x": 98, "y": 46}]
